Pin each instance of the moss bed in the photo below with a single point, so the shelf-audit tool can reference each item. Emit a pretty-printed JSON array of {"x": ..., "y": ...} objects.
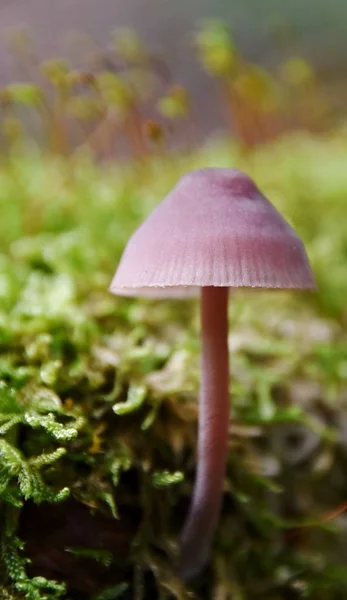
[{"x": 98, "y": 395}]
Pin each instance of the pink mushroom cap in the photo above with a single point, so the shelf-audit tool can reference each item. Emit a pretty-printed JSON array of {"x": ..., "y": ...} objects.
[{"x": 215, "y": 228}]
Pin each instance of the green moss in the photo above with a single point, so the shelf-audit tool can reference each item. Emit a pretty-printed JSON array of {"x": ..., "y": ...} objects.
[{"x": 98, "y": 395}]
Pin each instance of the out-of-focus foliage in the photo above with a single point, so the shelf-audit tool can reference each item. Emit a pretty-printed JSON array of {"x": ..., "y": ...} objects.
[
  {"x": 261, "y": 105},
  {"x": 106, "y": 103},
  {"x": 98, "y": 395}
]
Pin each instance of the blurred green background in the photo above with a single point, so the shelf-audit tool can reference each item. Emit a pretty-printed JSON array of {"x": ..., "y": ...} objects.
[{"x": 267, "y": 32}]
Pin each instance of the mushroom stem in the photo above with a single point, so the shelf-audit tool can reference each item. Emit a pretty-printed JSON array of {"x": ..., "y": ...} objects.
[{"x": 203, "y": 514}]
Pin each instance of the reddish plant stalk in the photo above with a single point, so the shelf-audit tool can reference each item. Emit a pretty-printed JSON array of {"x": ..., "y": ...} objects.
[{"x": 213, "y": 433}]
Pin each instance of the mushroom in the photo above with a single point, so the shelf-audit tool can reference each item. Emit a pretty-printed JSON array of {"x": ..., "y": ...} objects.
[{"x": 215, "y": 230}]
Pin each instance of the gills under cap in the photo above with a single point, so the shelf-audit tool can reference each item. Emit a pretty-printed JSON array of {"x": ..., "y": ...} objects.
[{"x": 215, "y": 228}]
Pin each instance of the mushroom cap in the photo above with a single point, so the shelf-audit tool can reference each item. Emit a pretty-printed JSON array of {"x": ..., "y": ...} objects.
[{"x": 215, "y": 228}]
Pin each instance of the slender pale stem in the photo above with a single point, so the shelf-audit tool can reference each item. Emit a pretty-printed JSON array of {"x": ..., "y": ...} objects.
[{"x": 204, "y": 511}]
